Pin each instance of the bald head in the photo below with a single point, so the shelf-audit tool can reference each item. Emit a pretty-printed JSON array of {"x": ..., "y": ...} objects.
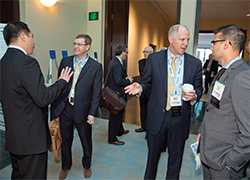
[
  {"x": 173, "y": 30},
  {"x": 147, "y": 50}
]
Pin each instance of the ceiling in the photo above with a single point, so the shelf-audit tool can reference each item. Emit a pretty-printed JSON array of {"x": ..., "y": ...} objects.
[{"x": 210, "y": 9}]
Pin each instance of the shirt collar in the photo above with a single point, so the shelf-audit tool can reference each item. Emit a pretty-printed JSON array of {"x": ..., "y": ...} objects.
[
  {"x": 85, "y": 58},
  {"x": 17, "y": 47},
  {"x": 231, "y": 62},
  {"x": 119, "y": 60}
]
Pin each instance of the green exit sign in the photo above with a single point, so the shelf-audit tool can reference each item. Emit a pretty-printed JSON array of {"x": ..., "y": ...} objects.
[{"x": 93, "y": 16}]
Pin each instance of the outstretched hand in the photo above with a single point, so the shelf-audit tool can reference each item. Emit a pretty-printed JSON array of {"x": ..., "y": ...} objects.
[
  {"x": 66, "y": 74},
  {"x": 133, "y": 89}
]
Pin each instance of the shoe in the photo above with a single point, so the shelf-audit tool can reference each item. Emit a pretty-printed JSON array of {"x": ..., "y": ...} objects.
[
  {"x": 125, "y": 132},
  {"x": 63, "y": 174},
  {"x": 139, "y": 130},
  {"x": 117, "y": 142},
  {"x": 87, "y": 173}
]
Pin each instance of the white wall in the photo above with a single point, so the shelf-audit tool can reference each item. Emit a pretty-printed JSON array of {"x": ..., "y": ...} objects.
[{"x": 55, "y": 28}]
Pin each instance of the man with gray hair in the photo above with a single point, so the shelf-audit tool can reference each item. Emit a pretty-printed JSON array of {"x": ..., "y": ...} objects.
[
  {"x": 168, "y": 110},
  {"x": 144, "y": 99}
]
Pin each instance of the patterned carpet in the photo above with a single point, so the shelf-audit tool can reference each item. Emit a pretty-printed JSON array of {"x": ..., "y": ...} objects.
[{"x": 125, "y": 162}]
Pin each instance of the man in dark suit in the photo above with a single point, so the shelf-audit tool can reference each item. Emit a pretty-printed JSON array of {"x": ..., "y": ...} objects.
[
  {"x": 224, "y": 133},
  {"x": 117, "y": 80},
  {"x": 210, "y": 69},
  {"x": 25, "y": 100},
  {"x": 169, "y": 115},
  {"x": 144, "y": 99},
  {"x": 79, "y": 104}
]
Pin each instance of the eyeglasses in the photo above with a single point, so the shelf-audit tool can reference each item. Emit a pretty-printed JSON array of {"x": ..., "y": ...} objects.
[
  {"x": 78, "y": 44},
  {"x": 126, "y": 52},
  {"x": 213, "y": 42},
  {"x": 146, "y": 51}
]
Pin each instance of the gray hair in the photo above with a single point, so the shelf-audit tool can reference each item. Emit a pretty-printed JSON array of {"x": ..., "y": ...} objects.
[{"x": 173, "y": 30}]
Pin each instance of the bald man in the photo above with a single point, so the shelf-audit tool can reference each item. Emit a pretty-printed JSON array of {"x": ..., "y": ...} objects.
[
  {"x": 144, "y": 99},
  {"x": 168, "y": 113}
]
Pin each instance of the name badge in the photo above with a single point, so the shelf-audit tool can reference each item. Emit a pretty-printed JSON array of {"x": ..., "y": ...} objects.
[
  {"x": 175, "y": 102},
  {"x": 217, "y": 94}
]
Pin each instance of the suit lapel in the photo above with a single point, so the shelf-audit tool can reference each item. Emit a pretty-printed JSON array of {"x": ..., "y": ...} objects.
[
  {"x": 84, "y": 69},
  {"x": 187, "y": 68},
  {"x": 163, "y": 69}
]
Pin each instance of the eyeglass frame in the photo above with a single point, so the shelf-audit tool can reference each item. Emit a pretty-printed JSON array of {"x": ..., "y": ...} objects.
[
  {"x": 146, "y": 51},
  {"x": 79, "y": 44},
  {"x": 221, "y": 40}
]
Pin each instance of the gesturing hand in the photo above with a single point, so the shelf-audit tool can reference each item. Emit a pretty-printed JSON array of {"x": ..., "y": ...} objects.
[{"x": 66, "y": 74}]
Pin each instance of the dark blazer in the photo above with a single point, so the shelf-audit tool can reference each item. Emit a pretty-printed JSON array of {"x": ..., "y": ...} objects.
[
  {"x": 117, "y": 77},
  {"x": 213, "y": 67},
  {"x": 225, "y": 135},
  {"x": 87, "y": 90},
  {"x": 25, "y": 100},
  {"x": 142, "y": 64},
  {"x": 155, "y": 78}
]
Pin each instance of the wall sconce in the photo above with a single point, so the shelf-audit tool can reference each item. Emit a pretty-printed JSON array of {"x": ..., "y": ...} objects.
[{"x": 48, "y": 3}]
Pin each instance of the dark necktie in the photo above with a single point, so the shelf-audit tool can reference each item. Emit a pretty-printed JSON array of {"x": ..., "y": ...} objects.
[{"x": 220, "y": 73}]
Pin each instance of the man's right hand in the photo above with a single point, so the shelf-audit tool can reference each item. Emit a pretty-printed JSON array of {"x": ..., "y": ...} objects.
[
  {"x": 133, "y": 89},
  {"x": 66, "y": 74}
]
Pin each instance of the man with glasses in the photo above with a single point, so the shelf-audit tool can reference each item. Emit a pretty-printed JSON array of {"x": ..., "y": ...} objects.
[
  {"x": 79, "y": 104},
  {"x": 144, "y": 99},
  {"x": 225, "y": 131},
  {"x": 117, "y": 80}
]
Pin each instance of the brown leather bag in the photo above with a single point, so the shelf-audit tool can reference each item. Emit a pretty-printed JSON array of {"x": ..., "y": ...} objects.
[
  {"x": 55, "y": 133},
  {"x": 111, "y": 99}
]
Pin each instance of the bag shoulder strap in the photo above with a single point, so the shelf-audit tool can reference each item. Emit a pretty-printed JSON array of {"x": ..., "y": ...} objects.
[{"x": 105, "y": 82}]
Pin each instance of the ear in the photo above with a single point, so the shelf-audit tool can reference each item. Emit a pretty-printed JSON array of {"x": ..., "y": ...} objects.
[
  {"x": 170, "y": 39},
  {"x": 226, "y": 44},
  {"x": 23, "y": 36}
]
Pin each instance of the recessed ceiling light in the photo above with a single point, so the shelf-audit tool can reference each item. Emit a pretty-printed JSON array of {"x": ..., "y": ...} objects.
[{"x": 248, "y": 15}]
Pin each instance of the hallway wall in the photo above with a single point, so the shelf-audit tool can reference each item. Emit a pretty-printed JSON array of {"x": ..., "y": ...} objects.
[
  {"x": 55, "y": 28},
  {"x": 146, "y": 25}
]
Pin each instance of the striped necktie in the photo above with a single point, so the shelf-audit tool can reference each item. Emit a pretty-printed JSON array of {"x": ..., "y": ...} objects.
[
  {"x": 72, "y": 90},
  {"x": 170, "y": 82}
]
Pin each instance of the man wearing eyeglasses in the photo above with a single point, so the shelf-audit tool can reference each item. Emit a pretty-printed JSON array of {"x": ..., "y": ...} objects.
[
  {"x": 144, "y": 99},
  {"x": 225, "y": 131},
  {"x": 79, "y": 104}
]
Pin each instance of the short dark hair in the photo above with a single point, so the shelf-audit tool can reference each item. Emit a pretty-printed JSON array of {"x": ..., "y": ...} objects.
[
  {"x": 234, "y": 34},
  {"x": 13, "y": 30},
  {"x": 120, "y": 48},
  {"x": 87, "y": 38}
]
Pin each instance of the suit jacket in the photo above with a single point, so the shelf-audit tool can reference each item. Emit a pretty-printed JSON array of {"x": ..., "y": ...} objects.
[
  {"x": 213, "y": 67},
  {"x": 225, "y": 132},
  {"x": 142, "y": 64},
  {"x": 87, "y": 90},
  {"x": 117, "y": 77},
  {"x": 24, "y": 99},
  {"x": 155, "y": 78}
]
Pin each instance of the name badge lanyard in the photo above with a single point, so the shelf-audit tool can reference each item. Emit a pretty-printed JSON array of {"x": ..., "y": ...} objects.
[
  {"x": 172, "y": 74},
  {"x": 75, "y": 63}
]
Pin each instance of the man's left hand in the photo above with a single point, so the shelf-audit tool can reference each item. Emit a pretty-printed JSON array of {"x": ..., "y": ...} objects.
[
  {"x": 190, "y": 95},
  {"x": 91, "y": 119}
]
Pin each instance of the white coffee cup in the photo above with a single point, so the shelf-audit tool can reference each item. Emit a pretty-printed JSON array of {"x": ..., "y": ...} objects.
[{"x": 185, "y": 89}]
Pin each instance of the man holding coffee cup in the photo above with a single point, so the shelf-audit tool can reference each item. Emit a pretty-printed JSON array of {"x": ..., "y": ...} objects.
[{"x": 168, "y": 115}]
